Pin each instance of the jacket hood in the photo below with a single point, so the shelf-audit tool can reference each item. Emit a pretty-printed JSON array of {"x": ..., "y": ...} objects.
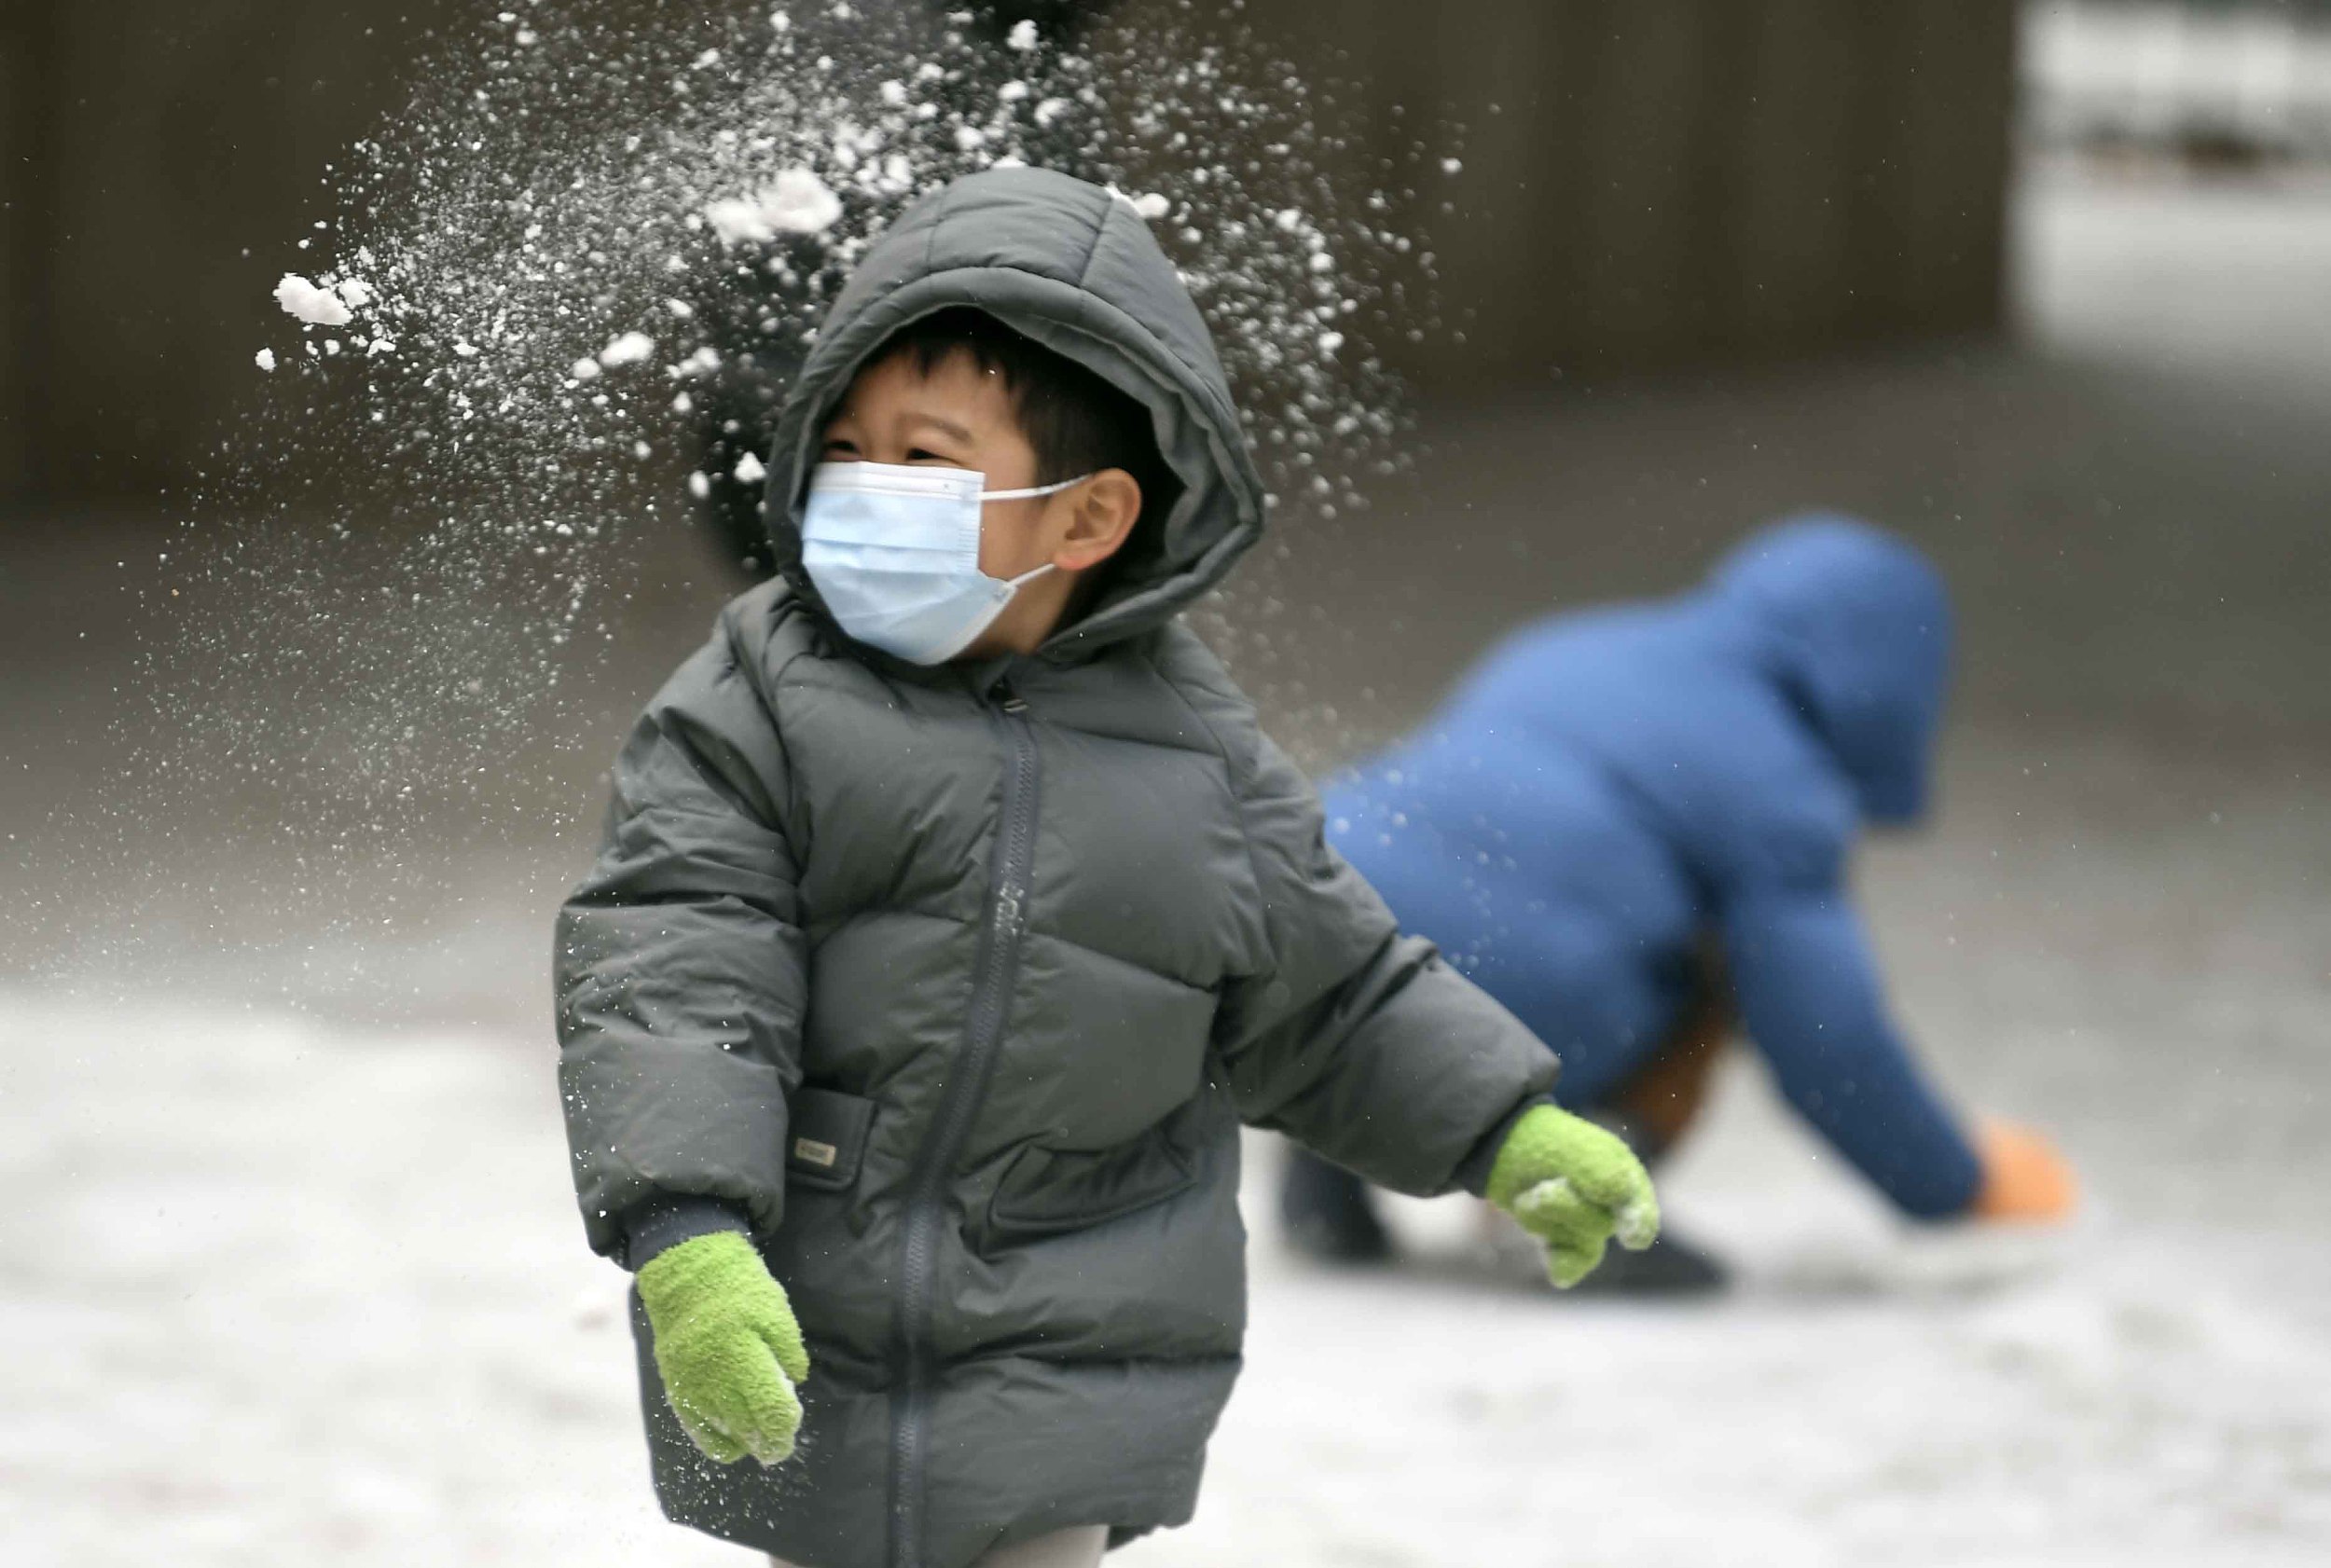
[
  {"x": 1857, "y": 626},
  {"x": 1074, "y": 267}
]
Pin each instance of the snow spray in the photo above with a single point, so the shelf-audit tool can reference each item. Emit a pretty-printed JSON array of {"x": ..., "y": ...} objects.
[{"x": 538, "y": 335}]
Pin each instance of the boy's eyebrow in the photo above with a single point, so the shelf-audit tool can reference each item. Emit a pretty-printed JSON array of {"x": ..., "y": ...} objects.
[{"x": 945, "y": 426}]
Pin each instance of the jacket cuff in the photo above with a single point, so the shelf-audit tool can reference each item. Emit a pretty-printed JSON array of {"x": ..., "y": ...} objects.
[
  {"x": 1472, "y": 1172},
  {"x": 660, "y": 1223}
]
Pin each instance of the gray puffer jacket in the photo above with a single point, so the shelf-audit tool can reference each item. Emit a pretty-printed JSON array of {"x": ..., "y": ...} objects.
[{"x": 953, "y": 985}]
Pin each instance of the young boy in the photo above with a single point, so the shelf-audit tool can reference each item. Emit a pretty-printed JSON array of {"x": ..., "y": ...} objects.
[
  {"x": 953, "y": 914},
  {"x": 1629, "y": 825}
]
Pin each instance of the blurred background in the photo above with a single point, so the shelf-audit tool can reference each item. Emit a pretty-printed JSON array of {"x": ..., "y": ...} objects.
[{"x": 289, "y": 1255}]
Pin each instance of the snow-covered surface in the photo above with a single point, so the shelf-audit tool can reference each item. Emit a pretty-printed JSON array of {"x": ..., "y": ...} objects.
[
  {"x": 2245, "y": 260},
  {"x": 282, "y": 1291}
]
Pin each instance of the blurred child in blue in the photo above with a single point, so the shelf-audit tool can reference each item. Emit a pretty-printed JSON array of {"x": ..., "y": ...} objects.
[{"x": 1632, "y": 827}]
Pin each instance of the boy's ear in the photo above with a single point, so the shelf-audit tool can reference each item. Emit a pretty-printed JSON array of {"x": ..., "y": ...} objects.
[{"x": 1101, "y": 515}]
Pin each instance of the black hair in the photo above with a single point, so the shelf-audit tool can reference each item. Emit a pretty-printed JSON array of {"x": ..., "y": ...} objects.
[{"x": 1076, "y": 422}]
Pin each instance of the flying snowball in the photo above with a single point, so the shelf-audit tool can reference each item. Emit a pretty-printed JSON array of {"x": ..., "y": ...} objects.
[
  {"x": 317, "y": 307},
  {"x": 1151, "y": 207},
  {"x": 797, "y": 202},
  {"x": 632, "y": 347}
]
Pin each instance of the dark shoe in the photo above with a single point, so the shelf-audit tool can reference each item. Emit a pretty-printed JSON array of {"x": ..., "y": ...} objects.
[
  {"x": 1329, "y": 1214},
  {"x": 1669, "y": 1266}
]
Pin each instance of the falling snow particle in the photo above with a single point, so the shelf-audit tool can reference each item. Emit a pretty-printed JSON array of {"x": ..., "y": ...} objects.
[
  {"x": 632, "y": 347},
  {"x": 265, "y": 359},
  {"x": 749, "y": 470},
  {"x": 316, "y": 307},
  {"x": 1021, "y": 36},
  {"x": 1151, "y": 206},
  {"x": 796, "y": 203}
]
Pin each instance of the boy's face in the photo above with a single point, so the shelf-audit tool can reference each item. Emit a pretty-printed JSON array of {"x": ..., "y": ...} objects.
[{"x": 960, "y": 415}]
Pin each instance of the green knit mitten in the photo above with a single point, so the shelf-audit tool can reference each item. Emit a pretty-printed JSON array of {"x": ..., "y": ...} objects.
[
  {"x": 727, "y": 1346},
  {"x": 1573, "y": 1186}
]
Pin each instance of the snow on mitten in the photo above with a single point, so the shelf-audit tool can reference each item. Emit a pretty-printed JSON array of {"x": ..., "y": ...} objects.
[
  {"x": 727, "y": 1346},
  {"x": 1573, "y": 1186}
]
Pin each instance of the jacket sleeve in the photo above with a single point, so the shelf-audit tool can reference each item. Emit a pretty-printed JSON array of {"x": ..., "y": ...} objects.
[
  {"x": 1810, "y": 997},
  {"x": 1353, "y": 1038},
  {"x": 681, "y": 971}
]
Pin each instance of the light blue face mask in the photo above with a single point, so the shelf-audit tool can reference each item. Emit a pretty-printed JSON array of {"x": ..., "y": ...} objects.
[{"x": 894, "y": 552}]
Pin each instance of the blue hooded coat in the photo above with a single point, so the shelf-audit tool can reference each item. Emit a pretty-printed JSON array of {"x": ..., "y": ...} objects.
[{"x": 1609, "y": 789}]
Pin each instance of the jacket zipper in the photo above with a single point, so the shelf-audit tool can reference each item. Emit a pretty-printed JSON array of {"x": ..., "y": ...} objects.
[{"x": 994, "y": 967}]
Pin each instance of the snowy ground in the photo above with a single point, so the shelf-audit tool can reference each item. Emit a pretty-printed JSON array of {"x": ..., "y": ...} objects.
[{"x": 304, "y": 1284}]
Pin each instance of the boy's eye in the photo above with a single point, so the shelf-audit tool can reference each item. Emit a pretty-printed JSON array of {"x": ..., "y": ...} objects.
[
  {"x": 924, "y": 454},
  {"x": 837, "y": 447}
]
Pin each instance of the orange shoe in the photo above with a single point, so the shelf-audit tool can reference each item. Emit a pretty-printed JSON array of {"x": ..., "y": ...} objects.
[{"x": 2025, "y": 1180}]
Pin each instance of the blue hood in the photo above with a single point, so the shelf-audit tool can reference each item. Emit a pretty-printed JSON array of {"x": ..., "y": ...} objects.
[{"x": 1855, "y": 625}]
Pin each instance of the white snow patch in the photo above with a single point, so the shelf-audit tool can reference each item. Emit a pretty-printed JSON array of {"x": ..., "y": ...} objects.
[{"x": 265, "y": 359}]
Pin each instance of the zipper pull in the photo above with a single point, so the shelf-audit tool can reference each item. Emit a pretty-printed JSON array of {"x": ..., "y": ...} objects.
[{"x": 1010, "y": 700}]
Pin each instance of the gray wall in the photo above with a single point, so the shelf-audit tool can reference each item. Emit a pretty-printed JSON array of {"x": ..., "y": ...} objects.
[{"x": 1690, "y": 181}]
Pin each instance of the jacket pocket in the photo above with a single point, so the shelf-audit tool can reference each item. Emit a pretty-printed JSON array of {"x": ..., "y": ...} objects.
[
  {"x": 826, "y": 1138},
  {"x": 1047, "y": 1191}
]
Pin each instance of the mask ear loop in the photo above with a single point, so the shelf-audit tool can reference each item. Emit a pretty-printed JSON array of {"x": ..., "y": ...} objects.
[
  {"x": 1016, "y": 583},
  {"x": 986, "y": 496}
]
